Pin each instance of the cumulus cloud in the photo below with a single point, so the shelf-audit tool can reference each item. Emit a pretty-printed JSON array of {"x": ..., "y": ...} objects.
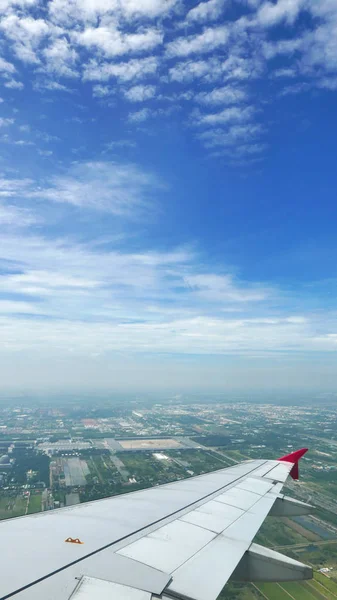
[
  {"x": 5, "y": 122},
  {"x": 270, "y": 13},
  {"x": 65, "y": 13},
  {"x": 139, "y": 116},
  {"x": 222, "y": 95},
  {"x": 214, "y": 69},
  {"x": 228, "y": 115},
  {"x": 124, "y": 71},
  {"x": 205, "y": 11},
  {"x": 112, "y": 42},
  {"x": 61, "y": 58},
  {"x": 208, "y": 40},
  {"x": 233, "y": 135},
  {"x": 52, "y": 86},
  {"x": 13, "y": 84},
  {"x": 140, "y": 93},
  {"x": 6, "y": 67},
  {"x": 101, "y": 91},
  {"x": 25, "y": 34}
]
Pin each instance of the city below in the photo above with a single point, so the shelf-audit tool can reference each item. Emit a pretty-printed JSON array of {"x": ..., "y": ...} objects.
[{"x": 60, "y": 454}]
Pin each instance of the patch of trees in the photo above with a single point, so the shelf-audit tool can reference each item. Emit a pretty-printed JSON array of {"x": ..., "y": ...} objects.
[
  {"x": 213, "y": 440},
  {"x": 27, "y": 459}
]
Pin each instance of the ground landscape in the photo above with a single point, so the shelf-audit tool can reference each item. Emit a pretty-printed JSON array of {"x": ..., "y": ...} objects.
[{"x": 61, "y": 455}]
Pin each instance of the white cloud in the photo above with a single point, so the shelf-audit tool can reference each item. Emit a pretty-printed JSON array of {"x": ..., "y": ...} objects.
[
  {"x": 120, "y": 144},
  {"x": 8, "y": 5},
  {"x": 205, "y": 11},
  {"x": 125, "y": 71},
  {"x": 10, "y": 187},
  {"x": 208, "y": 40},
  {"x": 26, "y": 34},
  {"x": 45, "y": 153},
  {"x": 241, "y": 68},
  {"x": 140, "y": 93},
  {"x": 296, "y": 88},
  {"x": 214, "y": 69},
  {"x": 272, "y": 49},
  {"x": 112, "y": 42},
  {"x": 328, "y": 83},
  {"x": 120, "y": 189},
  {"x": 222, "y": 288},
  {"x": 285, "y": 72},
  {"x": 223, "y": 95},
  {"x": 6, "y": 67},
  {"x": 101, "y": 91},
  {"x": 15, "y": 216},
  {"x": 148, "y": 8},
  {"x": 53, "y": 86},
  {"x": 97, "y": 300},
  {"x": 228, "y": 115},
  {"x": 5, "y": 122},
  {"x": 66, "y": 13},
  {"x": 23, "y": 143},
  {"x": 271, "y": 14},
  {"x": 187, "y": 71},
  {"x": 12, "y": 84},
  {"x": 234, "y": 135},
  {"x": 61, "y": 58},
  {"x": 139, "y": 116}
]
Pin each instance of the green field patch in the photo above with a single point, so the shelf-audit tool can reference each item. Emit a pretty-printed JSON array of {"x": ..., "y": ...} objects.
[
  {"x": 275, "y": 532},
  {"x": 12, "y": 506},
  {"x": 327, "y": 582},
  {"x": 318, "y": 555},
  {"x": 34, "y": 505},
  {"x": 240, "y": 591},
  {"x": 272, "y": 591},
  {"x": 298, "y": 591},
  {"x": 322, "y": 591}
]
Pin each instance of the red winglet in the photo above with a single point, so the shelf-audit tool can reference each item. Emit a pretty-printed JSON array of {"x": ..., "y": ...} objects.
[{"x": 294, "y": 457}]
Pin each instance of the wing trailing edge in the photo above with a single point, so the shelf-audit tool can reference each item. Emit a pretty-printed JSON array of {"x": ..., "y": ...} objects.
[
  {"x": 285, "y": 506},
  {"x": 262, "y": 564}
]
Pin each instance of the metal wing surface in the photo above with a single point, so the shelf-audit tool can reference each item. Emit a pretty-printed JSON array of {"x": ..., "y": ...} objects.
[{"x": 181, "y": 540}]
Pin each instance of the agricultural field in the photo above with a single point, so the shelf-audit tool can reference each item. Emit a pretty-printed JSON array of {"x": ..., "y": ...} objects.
[
  {"x": 277, "y": 532},
  {"x": 75, "y": 471},
  {"x": 319, "y": 588},
  {"x": 101, "y": 468},
  {"x": 144, "y": 444},
  {"x": 35, "y": 503},
  {"x": 12, "y": 505},
  {"x": 200, "y": 461},
  {"x": 145, "y": 467}
]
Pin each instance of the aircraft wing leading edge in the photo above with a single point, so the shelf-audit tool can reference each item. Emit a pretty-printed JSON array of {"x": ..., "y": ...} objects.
[{"x": 183, "y": 540}]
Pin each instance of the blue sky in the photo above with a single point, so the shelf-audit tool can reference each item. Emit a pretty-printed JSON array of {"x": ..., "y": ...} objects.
[{"x": 168, "y": 194}]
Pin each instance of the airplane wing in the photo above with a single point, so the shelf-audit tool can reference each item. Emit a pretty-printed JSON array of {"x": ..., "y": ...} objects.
[{"x": 182, "y": 540}]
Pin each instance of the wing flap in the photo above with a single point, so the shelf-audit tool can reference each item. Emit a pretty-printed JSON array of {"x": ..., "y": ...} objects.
[
  {"x": 91, "y": 588},
  {"x": 170, "y": 546},
  {"x": 262, "y": 564},
  {"x": 221, "y": 556}
]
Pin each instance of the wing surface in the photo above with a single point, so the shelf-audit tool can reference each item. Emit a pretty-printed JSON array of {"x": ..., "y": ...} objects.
[{"x": 179, "y": 540}]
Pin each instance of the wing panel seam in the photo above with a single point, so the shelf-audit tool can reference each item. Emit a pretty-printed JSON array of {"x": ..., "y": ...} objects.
[{"x": 106, "y": 546}]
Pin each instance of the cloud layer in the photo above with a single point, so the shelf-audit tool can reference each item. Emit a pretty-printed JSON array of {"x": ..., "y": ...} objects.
[
  {"x": 154, "y": 52},
  {"x": 106, "y": 245}
]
